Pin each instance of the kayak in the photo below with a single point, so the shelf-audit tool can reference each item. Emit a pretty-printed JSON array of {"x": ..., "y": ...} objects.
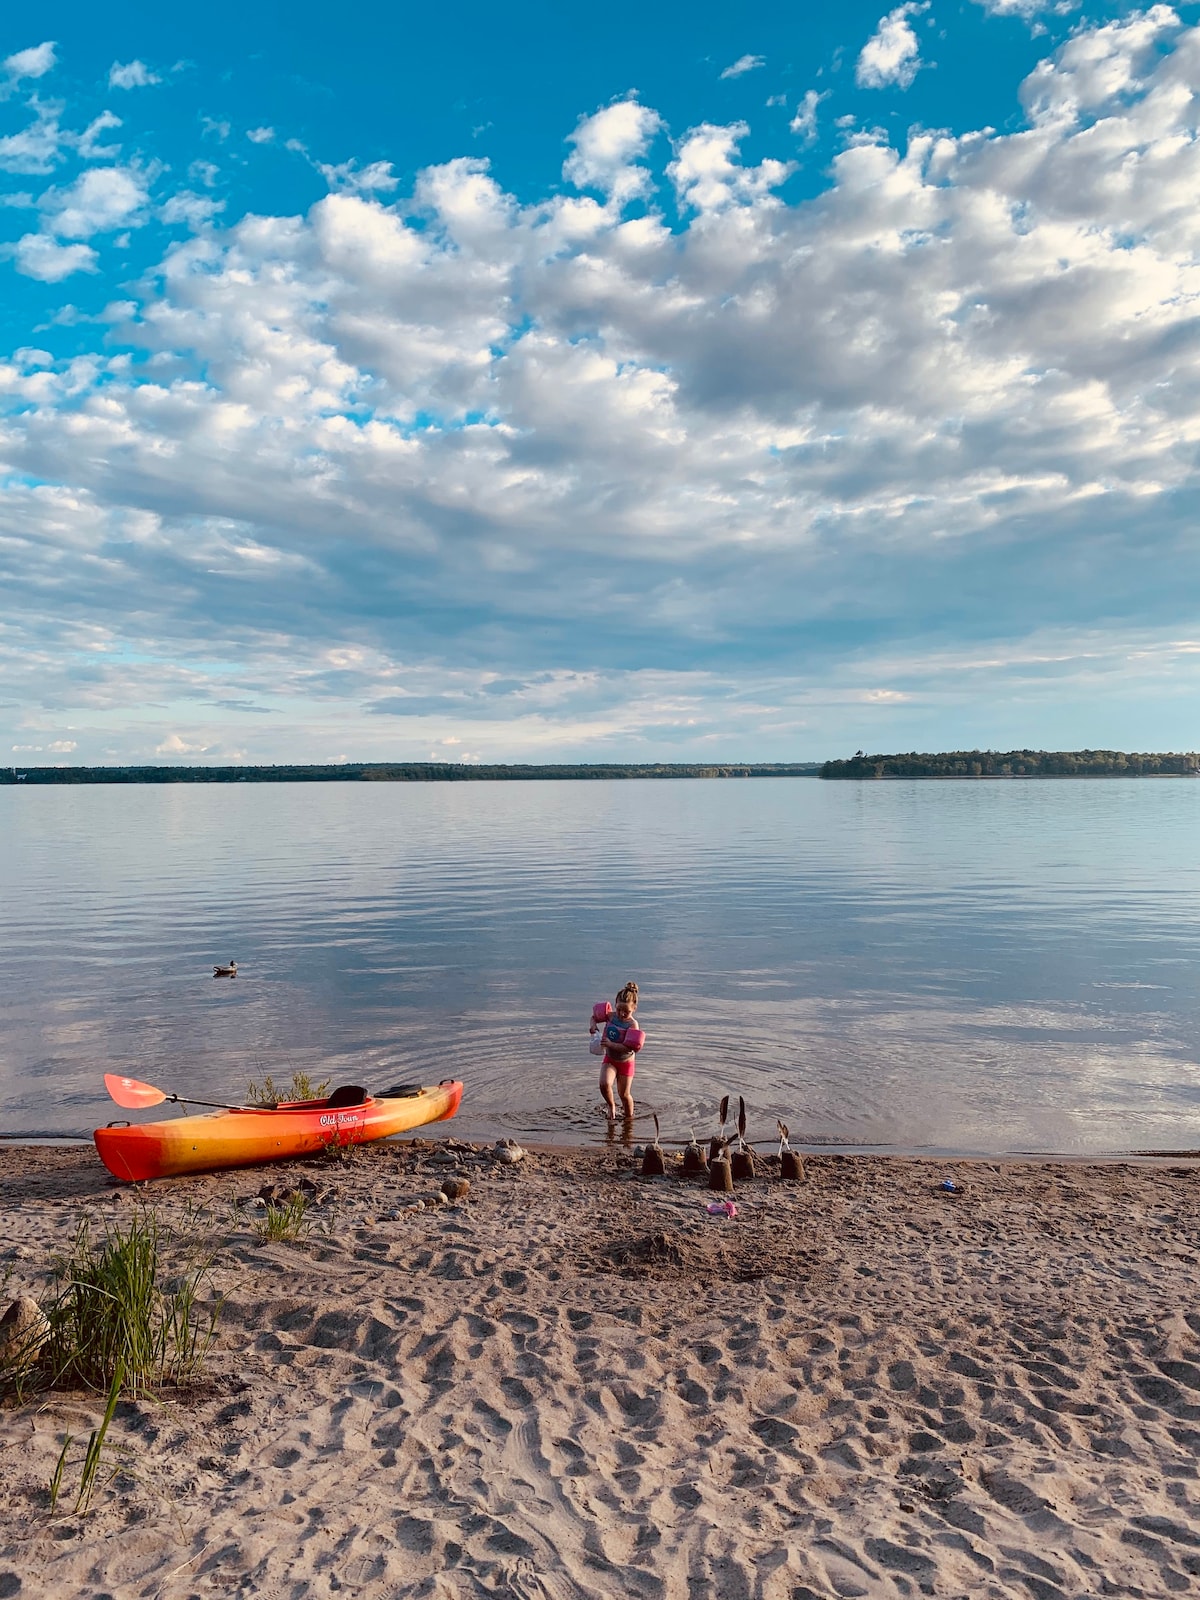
[{"x": 252, "y": 1135}]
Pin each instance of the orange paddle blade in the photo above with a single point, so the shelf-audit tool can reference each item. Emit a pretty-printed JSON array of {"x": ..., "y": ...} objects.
[{"x": 130, "y": 1093}]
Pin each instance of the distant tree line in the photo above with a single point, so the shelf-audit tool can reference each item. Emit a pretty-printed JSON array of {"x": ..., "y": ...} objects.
[
  {"x": 1016, "y": 764},
  {"x": 404, "y": 772}
]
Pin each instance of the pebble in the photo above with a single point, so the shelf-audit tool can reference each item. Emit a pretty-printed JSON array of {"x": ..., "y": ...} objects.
[
  {"x": 456, "y": 1188},
  {"x": 507, "y": 1150},
  {"x": 437, "y": 1198}
]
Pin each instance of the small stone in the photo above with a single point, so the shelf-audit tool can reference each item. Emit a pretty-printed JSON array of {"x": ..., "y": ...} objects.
[
  {"x": 456, "y": 1188},
  {"x": 24, "y": 1329},
  {"x": 509, "y": 1153},
  {"x": 437, "y": 1198}
]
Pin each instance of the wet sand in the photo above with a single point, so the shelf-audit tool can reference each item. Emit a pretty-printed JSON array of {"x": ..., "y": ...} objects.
[{"x": 575, "y": 1382}]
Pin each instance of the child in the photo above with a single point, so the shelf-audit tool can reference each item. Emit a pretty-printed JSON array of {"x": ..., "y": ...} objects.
[{"x": 617, "y": 1067}]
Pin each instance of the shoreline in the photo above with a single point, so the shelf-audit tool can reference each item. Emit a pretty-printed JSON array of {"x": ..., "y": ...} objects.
[
  {"x": 575, "y": 1382},
  {"x": 762, "y": 1147}
]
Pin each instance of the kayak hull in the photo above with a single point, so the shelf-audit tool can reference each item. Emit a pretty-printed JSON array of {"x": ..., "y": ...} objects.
[{"x": 254, "y": 1135}]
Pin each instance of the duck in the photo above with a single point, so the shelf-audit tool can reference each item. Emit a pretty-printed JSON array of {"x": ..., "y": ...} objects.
[{"x": 229, "y": 971}]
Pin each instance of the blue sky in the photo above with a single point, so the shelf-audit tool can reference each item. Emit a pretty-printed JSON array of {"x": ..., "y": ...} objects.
[{"x": 657, "y": 384}]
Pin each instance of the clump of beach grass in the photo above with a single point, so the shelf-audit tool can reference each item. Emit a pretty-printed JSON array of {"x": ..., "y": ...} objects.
[
  {"x": 117, "y": 1319},
  {"x": 115, "y": 1314},
  {"x": 284, "y": 1220},
  {"x": 269, "y": 1093}
]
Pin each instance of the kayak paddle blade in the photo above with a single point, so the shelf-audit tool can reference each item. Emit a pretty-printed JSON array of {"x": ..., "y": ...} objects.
[{"x": 131, "y": 1094}]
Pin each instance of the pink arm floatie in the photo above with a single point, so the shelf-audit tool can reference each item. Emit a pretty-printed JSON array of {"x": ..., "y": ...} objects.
[
  {"x": 602, "y": 1010},
  {"x": 634, "y": 1038}
]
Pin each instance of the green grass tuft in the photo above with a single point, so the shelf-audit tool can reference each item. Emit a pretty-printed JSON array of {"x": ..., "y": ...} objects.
[
  {"x": 284, "y": 1220},
  {"x": 268, "y": 1093},
  {"x": 114, "y": 1312}
]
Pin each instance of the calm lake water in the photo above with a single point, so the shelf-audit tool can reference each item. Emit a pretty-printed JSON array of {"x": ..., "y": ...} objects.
[{"x": 953, "y": 966}]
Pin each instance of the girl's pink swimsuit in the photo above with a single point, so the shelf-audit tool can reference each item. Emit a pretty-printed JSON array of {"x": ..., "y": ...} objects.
[{"x": 614, "y": 1037}]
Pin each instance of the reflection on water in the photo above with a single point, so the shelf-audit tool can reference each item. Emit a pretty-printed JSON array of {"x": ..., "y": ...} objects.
[{"x": 956, "y": 965}]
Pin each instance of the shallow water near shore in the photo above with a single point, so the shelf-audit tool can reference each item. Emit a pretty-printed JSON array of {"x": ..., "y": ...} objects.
[{"x": 947, "y": 966}]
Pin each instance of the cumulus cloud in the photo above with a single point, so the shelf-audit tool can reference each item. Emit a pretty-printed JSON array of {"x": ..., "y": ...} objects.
[
  {"x": 35, "y": 149},
  {"x": 375, "y": 178},
  {"x": 744, "y": 64},
  {"x": 708, "y": 174},
  {"x": 892, "y": 55},
  {"x": 260, "y": 135},
  {"x": 100, "y": 200},
  {"x": 609, "y": 145},
  {"x": 1027, "y": 9},
  {"x": 133, "y": 75},
  {"x": 35, "y": 62},
  {"x": 913, "y": 444},
  {"x": 804, "y": 122},
  {"x": 88, "y": 143},
  {"x": 38, "y": 256}
]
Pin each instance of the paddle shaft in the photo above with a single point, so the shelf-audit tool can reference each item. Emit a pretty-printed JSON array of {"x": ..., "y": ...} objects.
[{"x": 215, "y": 1105}]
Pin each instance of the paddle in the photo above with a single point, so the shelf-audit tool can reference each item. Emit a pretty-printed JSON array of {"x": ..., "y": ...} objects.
[{"x": 137, "y": 1096}]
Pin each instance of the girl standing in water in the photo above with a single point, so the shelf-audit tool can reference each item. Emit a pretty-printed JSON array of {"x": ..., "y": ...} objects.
[{"x": 622, "y": 1040}]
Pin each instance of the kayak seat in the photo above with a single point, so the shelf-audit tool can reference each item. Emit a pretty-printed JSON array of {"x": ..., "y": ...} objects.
[
  {"x": 400, "y": 1091},
  {"x": 348, "y": 1095}
]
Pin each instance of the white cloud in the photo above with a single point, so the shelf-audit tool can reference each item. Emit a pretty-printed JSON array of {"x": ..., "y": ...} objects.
[
  {"x": 348, "y": 176},
  {"x": 173, "y": 745},
  {"x": 35, "y": 62},
  {"x": 1027, "y": 9},
  {"x": 100, "y": 200},
  {"x": 892, "y": 55},
  {"x": 193, "y": 209},
  {"x": 88, "y": 142},
  {"x": 744, "y": 64},
  {"x": 133, "y": 75},
  {"x": 609, "y": 145},
  {"x": 36, "y": 148},
  {"x": 38, "y": 256},
  {"x": 707, "y": 174},
  {"x": 804, "y": 122},
  {"x": 260, "y": 135}
]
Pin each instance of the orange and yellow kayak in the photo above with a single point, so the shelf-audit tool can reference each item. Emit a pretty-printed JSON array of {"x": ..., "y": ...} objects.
[{"x": 250, "y": 1136}]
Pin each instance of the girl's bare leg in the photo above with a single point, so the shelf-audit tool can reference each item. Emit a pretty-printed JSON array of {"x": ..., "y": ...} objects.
[
  {"x": 607, "y": 1074},
  {"x": 625, "y": 1090}
]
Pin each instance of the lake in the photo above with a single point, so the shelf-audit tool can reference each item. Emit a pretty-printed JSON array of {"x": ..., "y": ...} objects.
[{"x": 944, "y": 966}]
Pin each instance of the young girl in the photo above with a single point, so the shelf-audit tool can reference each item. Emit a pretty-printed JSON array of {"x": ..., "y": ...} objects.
[{"x": 617, "y": 1067}]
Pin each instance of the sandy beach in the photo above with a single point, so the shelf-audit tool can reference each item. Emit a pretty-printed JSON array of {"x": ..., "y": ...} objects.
[{"x": 576, "y": 1382}]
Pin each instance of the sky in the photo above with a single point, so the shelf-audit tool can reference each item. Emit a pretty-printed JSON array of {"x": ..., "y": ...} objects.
[{"x": 662, "y": 383}]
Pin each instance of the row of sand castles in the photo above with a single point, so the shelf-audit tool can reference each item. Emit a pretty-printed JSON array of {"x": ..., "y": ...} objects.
[{"x": 723, "y": 1164}]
